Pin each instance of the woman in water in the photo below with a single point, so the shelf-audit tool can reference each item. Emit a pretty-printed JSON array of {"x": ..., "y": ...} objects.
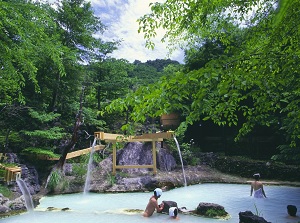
[{"x": 257, "y": 187}]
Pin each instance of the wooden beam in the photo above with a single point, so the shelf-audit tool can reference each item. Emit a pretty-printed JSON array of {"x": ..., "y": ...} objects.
[
  {"x": 84, "y": 151},
  {"x": 79, "y": 152},
  {"x": 109, "y": 137},
  {"x": 154, "y": 156},
  {"x": 134, "y": 140},
  {"x": 114, "y": 159},
  {"x": 158, "y": 135},
  {"x": 133, "y": 166}
]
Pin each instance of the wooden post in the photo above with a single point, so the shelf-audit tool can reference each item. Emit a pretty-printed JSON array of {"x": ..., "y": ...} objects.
[
  {"x": 6, "y": 177},
  {"x": 114, "y": 159},
  {"x": 154, "y": 156}
]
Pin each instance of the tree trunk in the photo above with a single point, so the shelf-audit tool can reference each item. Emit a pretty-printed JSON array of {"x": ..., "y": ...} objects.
[{"x": 72, "y": 142}]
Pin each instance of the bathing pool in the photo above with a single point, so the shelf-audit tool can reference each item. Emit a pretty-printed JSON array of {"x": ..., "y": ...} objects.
[{"x": 109, "y": 207}]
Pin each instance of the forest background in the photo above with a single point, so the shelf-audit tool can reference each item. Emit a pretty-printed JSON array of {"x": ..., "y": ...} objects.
[{"x": 239, "y": 81}]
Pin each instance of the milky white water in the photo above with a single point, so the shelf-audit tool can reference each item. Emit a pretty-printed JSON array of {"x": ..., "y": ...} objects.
[{"x": 97, "y": 208}]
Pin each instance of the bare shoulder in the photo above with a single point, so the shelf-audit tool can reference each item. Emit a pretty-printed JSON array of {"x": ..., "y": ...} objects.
[{"x": 153, "y": 200}]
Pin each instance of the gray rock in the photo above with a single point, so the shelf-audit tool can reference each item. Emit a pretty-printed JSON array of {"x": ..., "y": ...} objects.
[
  {"x": 4, "y": 209},
  {"x": 249, "y": 217},
  {"x": 11, "y": 158},
  {"x": 18, "y": 204},
  {"x": 68, "y": 168},
  {"x": 3, "y": 199},
  {"x": 167, "y": 205},
  {"x": 137, "y": 153},
  {"x": 204, "y": 207},
  {"x": 165, "y": 160}
]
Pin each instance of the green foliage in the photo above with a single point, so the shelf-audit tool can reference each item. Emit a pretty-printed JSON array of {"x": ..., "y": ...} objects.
[
  {"x": 2, "y": 173},
  {"x": 79, "y": 170},
  {"x": 150, "y": 71},
  {"x": 55, "y": 178},
  {"x": 248, "y": 77},
  {"x": 5, "y": 191},
  {"x": 189, "y": 156},
  {"x": 39, "y": 151},
  {"x": 111, "y": 178},
  {"x": 43, "y": 117},
  {"x": 215, "y": 213},
  {"x": 40, "y": 133},
  {"x": 42, "y": 73},
  {"x": 287, "y": 154},
  {"x": 53, "y": 133},
  {"x": 21, "y": 52},
  {"x": 97, "y": 158},
  {"x": 148, "y": 101},
  {"x": 257, "y": 212},
  {"x": 57, "y": 181},
  {"x": 240, "y": 71}
]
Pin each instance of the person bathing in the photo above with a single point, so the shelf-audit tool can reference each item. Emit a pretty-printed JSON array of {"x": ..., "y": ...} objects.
[
  {"x": 153, "y": 204},
  {"x": 257, "y": 187}
]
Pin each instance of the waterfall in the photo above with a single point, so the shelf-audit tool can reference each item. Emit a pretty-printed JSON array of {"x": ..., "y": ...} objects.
[
  {"x": 27, "y": 196},
  {"x": 89, "y": 168},
  {"x": 183, "y": 172}
]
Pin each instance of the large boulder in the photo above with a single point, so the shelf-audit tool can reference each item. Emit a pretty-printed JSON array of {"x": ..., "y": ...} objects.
[
  {"x": 167, "y": 206},
  {"x": 165, "y": 160},
  {"x": 18, "y": 204},
  {"x": 249, "y": 217},
  {"x": 4, "y": 205},
  {"x": 137, "y": 153},
  {"x": 211, "y": 210}
]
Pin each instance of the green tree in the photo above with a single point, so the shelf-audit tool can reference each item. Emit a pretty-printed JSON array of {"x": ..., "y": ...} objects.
[
  {"x": 42, "y": 50},
  {"x": 24, "y": 38},
  {"x": 253, "y": 83},
  {"x": 150, "y": 71},
  {"x": 110, "y": 79}
]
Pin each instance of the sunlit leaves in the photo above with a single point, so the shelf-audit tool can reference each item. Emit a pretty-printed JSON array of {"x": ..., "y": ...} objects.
[
  {"x": 25, "y": 37},
  {"x": 185, "y": 21}
]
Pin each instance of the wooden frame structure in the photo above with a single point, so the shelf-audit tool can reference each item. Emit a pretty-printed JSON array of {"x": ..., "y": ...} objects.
[
  {"x": 11, "y": 173},
  {"x": 152, "y": 137}
]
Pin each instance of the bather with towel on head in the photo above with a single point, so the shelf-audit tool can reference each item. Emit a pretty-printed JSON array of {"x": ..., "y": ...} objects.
[{"x": 152, "y": 204}]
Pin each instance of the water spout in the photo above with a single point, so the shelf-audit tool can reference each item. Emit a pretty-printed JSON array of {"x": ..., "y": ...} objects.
[
  {"x": 27, "y": 196},
  {"x": 87, "y": 179},
  {"x": 183, "y": 172}
]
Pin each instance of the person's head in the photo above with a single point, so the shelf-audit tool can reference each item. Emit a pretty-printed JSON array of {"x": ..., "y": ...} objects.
[
  {"x": 157, "y": 192},
  {"x": 173, "y": 212},
  {"x": 292, "y": 210},
  {"x": 256, "y": 176}
]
